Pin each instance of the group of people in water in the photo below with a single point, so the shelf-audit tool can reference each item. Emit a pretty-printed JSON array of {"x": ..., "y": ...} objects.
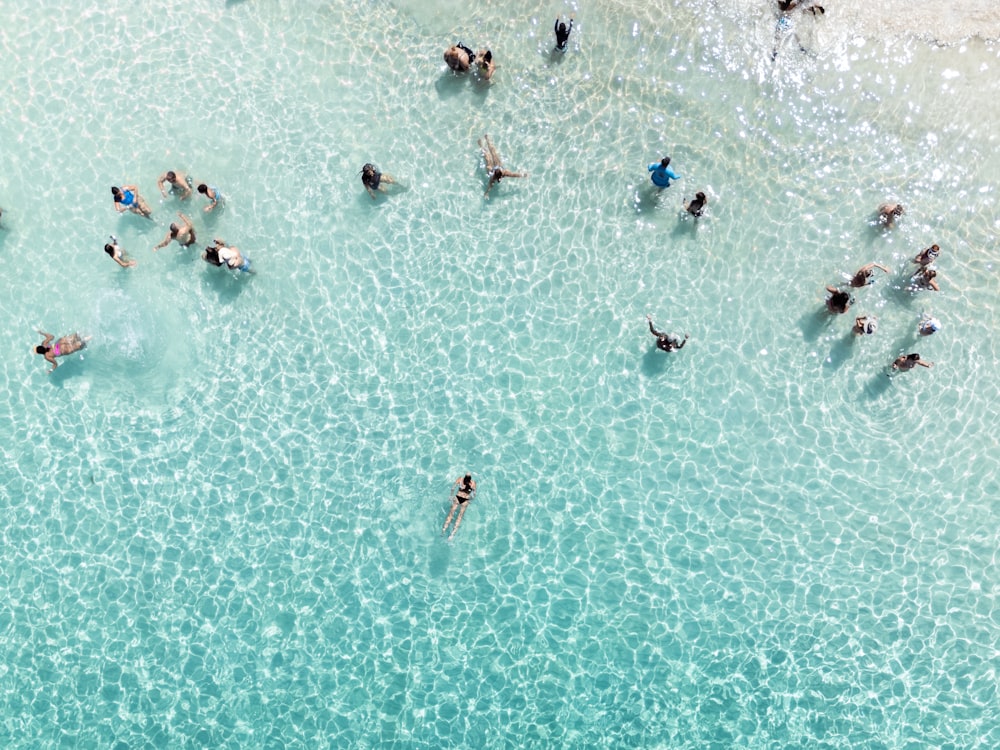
[
  {"x": 128, "y": 198},
  {"x": 840, "y": 299}
]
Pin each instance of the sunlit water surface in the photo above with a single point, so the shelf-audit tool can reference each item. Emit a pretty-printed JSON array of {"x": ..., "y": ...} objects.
[{"x": 221, "y": 524}]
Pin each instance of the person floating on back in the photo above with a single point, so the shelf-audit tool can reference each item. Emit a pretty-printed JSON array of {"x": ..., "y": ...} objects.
[
  {"x": 666, "y": 341},
  {"x": 494, "y": 167},
  {"x": 463, "y": 491},
  {"x": 562, "y": 32},
  {"x": 662, "y": 174}
]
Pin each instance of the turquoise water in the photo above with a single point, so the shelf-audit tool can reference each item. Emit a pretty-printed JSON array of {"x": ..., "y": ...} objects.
[{"x": 221, "y": 524}]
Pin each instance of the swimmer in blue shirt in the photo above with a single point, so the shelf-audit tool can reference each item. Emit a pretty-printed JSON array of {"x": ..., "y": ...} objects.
[{"x": 662, "y": 173}]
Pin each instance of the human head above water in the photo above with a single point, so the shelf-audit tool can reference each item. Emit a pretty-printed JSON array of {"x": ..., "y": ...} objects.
[
  {"x": 171, "y": 176},
  {"x": 117, "y": 193},
  {"x": 665, "y": 161},
  {"x": 203, "y": 188},
  {"x": 42, "y": 349}
]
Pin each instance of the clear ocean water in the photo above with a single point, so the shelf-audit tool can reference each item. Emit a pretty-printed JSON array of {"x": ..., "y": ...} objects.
[{"x": 221, "y": 524}]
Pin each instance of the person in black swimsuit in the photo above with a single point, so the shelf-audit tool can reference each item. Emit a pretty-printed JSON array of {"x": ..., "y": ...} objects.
[
  {"x": 372, "y": 179},
  {"x": 562, "y": 33},
  {"x": 665, "y": 341},
  {"x": 463, "y": 490},
  {"x": 696, "y": 206}
]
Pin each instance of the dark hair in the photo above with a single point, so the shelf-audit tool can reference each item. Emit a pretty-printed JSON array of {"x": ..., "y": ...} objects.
[
  {"x": 42, "y": 349},
  {"x": 467, "y": 477},
  {"x": 496, "y": 174},
  {"x": 913, "y": 357},
  {"x": 173, "y": 230},
  {"x": 665, "y": 161},
  {"x": 110, "y": 250},
  {"x": 117, "y": 193},
  {"x": 211, "y": 255},
  {"x": 488, "y": 57},
  {"x": 203, "y": 188},
  {"x": 700, "y": 196},
  {"x": 171, "y": 175}
]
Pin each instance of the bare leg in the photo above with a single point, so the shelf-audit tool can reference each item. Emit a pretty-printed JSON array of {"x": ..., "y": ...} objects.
[
  {"x": 458, "y": 521},
  {"x": 454, "y": 505}
]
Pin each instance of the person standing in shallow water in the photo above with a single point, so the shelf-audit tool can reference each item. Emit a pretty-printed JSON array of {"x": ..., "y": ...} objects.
[
  {"x": 127, "y": 198},
  {"x": 213, "y": 194},
  {"x": 839, "y": 301},
  {"x": 463, "y": 491},
  {"x": 372, "y": 179},
  {"x": 666, "y": 341},
  {"x": 662, "y": 174},
  {"x": 696, "y": 206},
  {"x": 184, "y": 234},
  {"x": 562, "y": 32},
  {"x": 178, "y": 181}
]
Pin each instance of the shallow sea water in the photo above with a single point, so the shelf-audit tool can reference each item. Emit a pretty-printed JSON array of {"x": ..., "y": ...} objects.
[{"x": 221, "y": 523}]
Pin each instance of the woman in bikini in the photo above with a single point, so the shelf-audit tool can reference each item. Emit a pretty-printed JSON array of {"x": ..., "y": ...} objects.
[
  {"x": 63, "y": 347},
  {"x": 463, "y": 490},
  {"x": 494, "y": 167}
]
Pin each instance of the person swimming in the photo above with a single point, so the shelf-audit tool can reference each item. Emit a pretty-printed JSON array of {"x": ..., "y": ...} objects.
[
  {"x": 494, "y": 167},
  {"x": 925, "y": 278},
  {"x": 661, "y": 173},
  {"x": 666, "y": 341},
  {"x": 908, "y": 361},
  {"x": 118, "y": 255},
  {"x": 562, "y": 32},
  {"x": 63, "y": 347}
]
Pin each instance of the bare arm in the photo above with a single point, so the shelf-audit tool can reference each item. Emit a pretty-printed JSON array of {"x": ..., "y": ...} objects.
[
  {"x": 160, "y": 182},
  {"x": 186, "y": 220},
  {"x": 880, "y": 267},
  {"x": 925, "y": 364},
  {"x": 506, "y": 173},
  {"x": 125, "y": 263},
  {"x": 163, "y": 243}
]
